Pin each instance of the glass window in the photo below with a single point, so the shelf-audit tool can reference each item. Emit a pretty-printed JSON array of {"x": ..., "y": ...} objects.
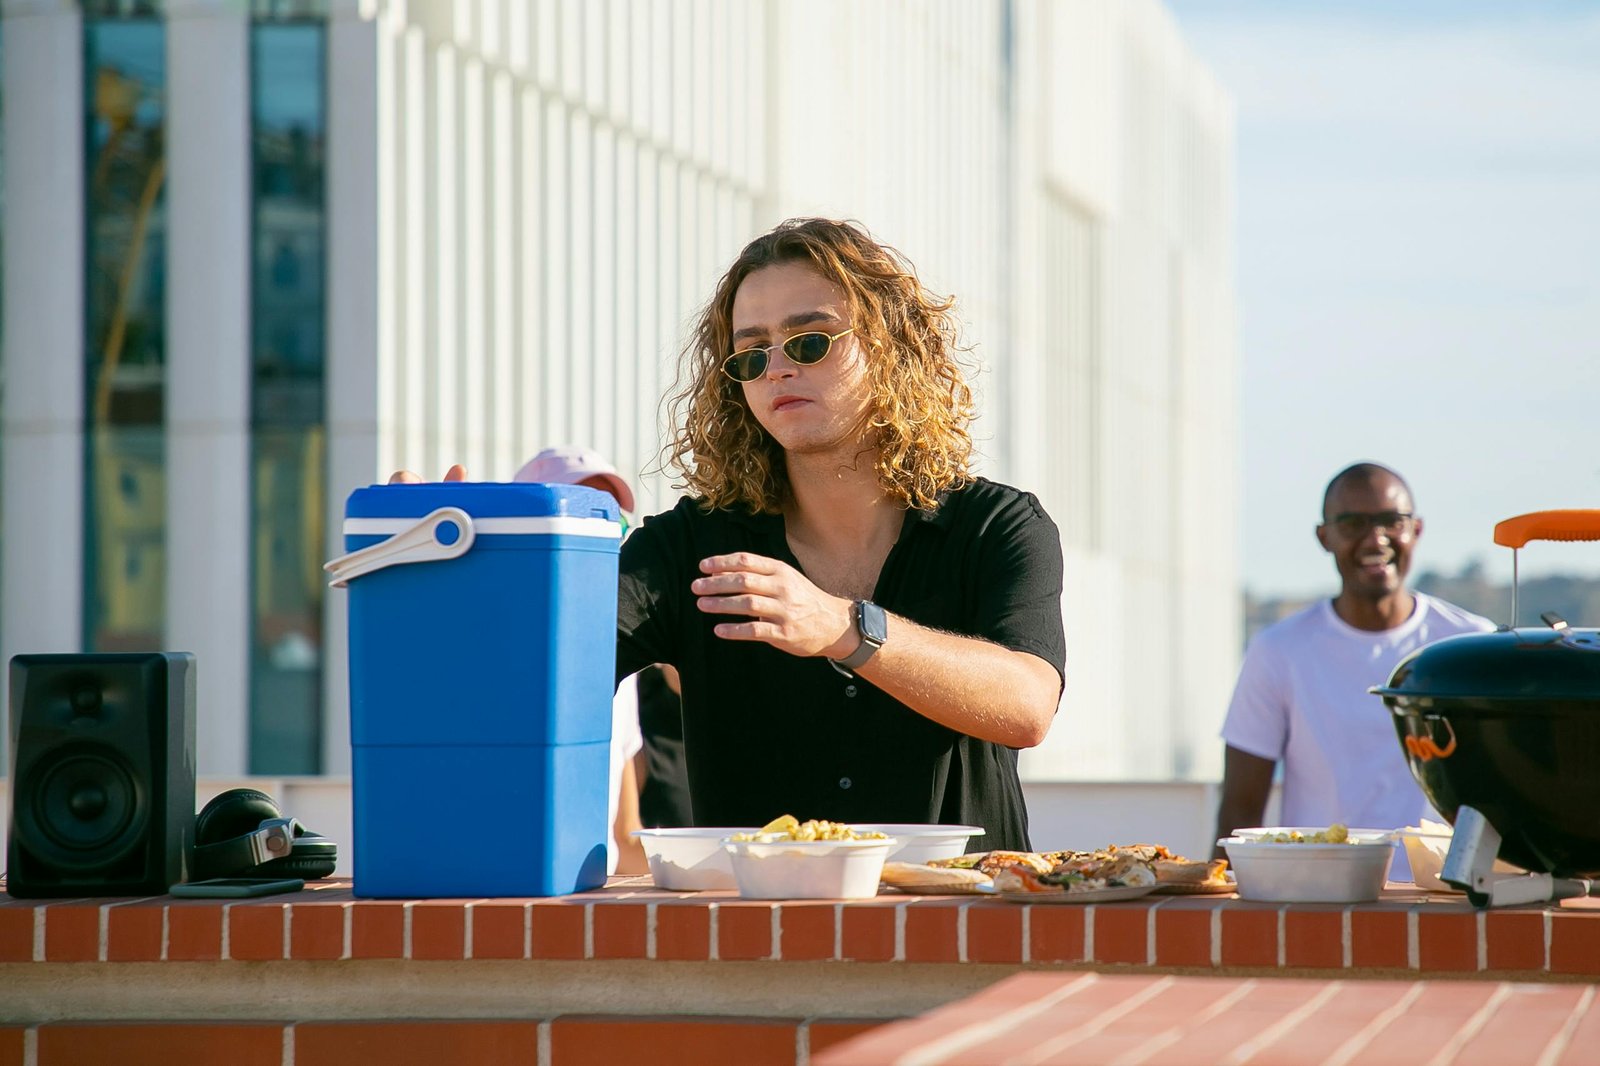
[
  {"x": 288, "y": 471},
  {"x": 289, "y": 9},
  {"x": 122, "y": 8},
  {"x": 125, "y": 232}
]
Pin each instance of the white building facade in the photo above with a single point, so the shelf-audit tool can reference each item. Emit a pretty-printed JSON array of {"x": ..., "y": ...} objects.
[{"x": 310, "y": 243}]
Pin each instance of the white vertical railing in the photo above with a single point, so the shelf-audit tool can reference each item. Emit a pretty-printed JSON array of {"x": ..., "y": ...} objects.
[
  {"x": 208, "y": 361},
  {"x": 358, "y": 48},
  {"x": 43, "y": 346}
]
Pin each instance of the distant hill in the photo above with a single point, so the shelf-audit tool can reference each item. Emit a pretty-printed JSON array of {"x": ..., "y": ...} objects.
[{"x": 1577, "y": 599}]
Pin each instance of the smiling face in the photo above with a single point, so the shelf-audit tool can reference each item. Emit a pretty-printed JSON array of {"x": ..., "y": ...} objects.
[
  {"x": 1373, "y": 561},
  {"x": 806, "y": 409}
]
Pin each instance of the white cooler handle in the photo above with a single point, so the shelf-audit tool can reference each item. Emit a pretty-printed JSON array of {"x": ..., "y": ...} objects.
[{"x": 417, "y": 544}]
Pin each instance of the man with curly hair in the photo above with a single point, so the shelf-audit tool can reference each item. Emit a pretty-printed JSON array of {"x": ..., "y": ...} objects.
[{"x": 865, "y": 631}]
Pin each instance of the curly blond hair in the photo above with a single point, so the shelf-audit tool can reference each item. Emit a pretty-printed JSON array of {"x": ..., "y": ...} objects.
[{"x": 920, "y": 407}]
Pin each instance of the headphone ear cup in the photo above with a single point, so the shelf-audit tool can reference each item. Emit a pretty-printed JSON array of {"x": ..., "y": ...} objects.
[{"x": 233, "y": 814}]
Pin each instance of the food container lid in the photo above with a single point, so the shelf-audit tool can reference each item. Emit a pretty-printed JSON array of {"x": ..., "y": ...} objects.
[
  {"x": 1259, "y": 840},
  {"x": 813, "y": 847},
  {"x": 1535, "y": 665}
]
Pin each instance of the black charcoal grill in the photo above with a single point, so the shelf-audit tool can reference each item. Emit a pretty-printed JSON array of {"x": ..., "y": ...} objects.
[{"x": 1502, "y": 731}]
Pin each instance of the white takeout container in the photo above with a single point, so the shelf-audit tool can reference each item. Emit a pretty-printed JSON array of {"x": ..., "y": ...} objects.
[
  {"x": 1426, "y": 849},
  {"x": 689, "y": 860},
  {"x": 1309, "y": 873},
  {"x": 923, "y": 843},
  {"x": 808, "y": 869}
]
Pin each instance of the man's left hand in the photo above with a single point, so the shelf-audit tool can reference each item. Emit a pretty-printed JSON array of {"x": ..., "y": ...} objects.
[{"x": 785, "y": 609}]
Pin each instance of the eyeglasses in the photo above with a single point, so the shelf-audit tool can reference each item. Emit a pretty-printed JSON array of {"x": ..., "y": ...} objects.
[
  {"x": 803, "y": 349},
  {"x": 1357, "y": 523}
]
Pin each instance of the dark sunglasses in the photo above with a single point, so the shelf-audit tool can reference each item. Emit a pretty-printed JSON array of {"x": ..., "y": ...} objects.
[{"x": 803, "y": 349}]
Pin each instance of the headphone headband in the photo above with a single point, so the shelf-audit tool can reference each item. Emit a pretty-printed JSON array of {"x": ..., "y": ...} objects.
[{"x": 274, "y": 839}]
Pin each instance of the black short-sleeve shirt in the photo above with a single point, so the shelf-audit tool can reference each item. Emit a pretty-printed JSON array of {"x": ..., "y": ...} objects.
[{"x": 767, "y": 733}]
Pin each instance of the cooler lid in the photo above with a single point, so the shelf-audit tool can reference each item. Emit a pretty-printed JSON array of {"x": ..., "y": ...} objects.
[{"x": 483, "y": 499}]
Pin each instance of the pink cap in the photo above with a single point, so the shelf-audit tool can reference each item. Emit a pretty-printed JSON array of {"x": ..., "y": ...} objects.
[{"x": 568, "y": 464}]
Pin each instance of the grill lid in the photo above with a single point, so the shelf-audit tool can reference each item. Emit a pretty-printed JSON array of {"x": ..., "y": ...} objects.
[{"x": 1509, "y": 664}]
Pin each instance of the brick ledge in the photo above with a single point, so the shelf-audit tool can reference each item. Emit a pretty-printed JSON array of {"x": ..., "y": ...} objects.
[{"x": 1404, "y": 934}]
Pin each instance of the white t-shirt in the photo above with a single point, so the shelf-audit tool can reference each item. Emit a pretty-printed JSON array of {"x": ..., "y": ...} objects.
[
  {"x": 1302, "y": 699},
  {"x": 626, "y": 741}
]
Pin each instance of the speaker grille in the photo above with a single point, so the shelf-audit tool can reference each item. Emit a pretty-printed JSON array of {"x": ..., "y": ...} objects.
[{"x": 83, "y": 808}]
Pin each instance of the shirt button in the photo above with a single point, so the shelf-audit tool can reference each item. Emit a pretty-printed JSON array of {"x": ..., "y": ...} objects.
[
  {"x": 844, "y": 782},
  {"x": 849, "y": 690}
]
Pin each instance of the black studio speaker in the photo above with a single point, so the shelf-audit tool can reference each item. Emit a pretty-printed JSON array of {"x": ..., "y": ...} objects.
[{"x": 102, "y": 774}]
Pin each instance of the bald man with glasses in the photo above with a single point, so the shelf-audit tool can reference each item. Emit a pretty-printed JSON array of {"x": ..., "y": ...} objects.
[{"x": 1301, "y": 699}]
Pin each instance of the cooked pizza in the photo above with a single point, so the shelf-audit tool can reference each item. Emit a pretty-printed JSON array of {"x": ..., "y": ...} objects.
[
  {"x": 1169, "y": 868},
  {"x": 909, "y": 876},
  {"x": 992, "y": 862},
  {"x": 1181, "y": 871},
  {"x": 1079, "y": 874},
  {"x": 1116, "y": 866}
]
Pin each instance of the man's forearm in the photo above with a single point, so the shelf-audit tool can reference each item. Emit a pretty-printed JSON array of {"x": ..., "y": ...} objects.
[{"x": 971, "y": 685}]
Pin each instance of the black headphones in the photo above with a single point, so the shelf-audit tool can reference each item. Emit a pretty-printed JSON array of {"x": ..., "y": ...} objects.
[{"x": 242, "y": 833}]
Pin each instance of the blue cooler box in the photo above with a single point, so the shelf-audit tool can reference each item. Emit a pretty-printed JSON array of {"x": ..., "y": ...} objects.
[{"x": 483, "y": 623}]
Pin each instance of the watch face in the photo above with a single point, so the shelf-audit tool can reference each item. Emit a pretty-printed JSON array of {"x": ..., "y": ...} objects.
[{"x": 874, "y": 623}]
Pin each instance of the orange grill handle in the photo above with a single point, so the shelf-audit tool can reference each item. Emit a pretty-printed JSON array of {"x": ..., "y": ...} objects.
[{"x": 1548, "y": 525}]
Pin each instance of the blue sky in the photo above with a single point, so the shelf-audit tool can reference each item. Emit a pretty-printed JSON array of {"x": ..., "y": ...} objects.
[{"x": 1418, "y": 245}]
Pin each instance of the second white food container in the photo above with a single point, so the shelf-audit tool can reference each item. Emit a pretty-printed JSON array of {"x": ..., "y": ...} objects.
[
  {"x": 924, "y": 843},
  {"x": 808, "y": 869}
]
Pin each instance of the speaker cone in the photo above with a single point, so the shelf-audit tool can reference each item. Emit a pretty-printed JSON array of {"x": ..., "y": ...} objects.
[{"x": 86, "y": 808}]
